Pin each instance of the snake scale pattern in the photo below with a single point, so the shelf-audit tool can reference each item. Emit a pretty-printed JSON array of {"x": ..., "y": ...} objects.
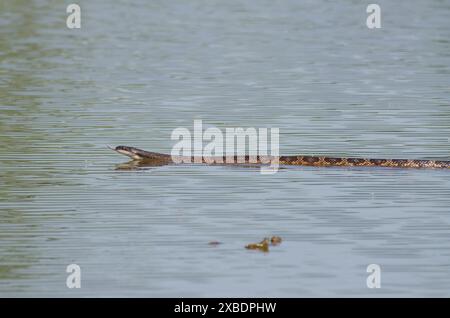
[{"x": 318, "y": 161}]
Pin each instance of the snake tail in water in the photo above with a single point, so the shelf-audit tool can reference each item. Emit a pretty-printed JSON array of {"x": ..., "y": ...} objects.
[{"x": 300, "y": 160}]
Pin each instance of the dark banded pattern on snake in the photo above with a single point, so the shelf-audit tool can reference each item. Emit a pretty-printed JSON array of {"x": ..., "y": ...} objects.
[{"x": 318, "y": 161}]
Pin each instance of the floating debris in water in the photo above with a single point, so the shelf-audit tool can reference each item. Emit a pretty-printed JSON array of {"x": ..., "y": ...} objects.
[
  {"x": 264, "y": 244},
  {"x": 275, "y": 240},
  {"x": 214, "y": 243}
]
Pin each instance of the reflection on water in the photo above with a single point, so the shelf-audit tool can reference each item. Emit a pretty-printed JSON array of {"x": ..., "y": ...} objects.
[{"x": 134, "y": 73}]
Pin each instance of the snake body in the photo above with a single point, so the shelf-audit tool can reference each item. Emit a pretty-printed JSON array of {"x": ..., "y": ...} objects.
[{"x": 318, "y": 161}]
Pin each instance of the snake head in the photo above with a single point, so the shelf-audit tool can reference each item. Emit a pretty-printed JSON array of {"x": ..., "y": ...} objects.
[
  {"x": 134, "y": 153},
  {"x": 139, "y": 154}
]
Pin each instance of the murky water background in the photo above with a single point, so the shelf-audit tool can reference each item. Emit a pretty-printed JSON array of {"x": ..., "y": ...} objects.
[{"x": 135, "y": 71}]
